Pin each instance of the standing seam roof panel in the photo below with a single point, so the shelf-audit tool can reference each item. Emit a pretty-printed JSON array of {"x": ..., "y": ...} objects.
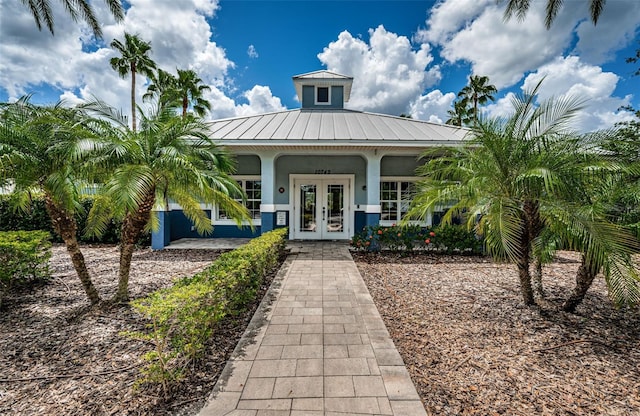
[
  {"x": 218, "y": 125},
  {"x": 399, "y": 131},
  {"x": 257, "y": 127},
  {"x": 300, "y": 126},
  {"x": 273, "y": 122},
  {"x": 355, "y": 128},
  {"x": 327, "y": 126},
  {"x": 370, "y": 131},
  {"x": 283, "y": 131},
  {"x": 416, "y": 132},
  {"x": 313, "y": 127},
  {"x": 341, "y": 129},
  {"x": 383, "y": 128}
]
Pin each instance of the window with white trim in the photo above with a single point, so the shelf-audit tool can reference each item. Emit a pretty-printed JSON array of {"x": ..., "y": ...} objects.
[
  {"x": 395, "y": 199},
  {"x": 323, "y": 95},
  {"x": 252, "y": 186}
]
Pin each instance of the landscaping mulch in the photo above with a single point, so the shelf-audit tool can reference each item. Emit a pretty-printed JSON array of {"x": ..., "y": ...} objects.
[
  {"x": 473, "y": 348},
  {"x": 60, "y": 357}
]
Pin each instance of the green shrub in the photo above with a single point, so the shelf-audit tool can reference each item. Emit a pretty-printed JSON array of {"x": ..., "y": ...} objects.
[
  {"x": 446, "y": 239},
  {"x": 24, "y": 257},
  {"x": 183, "y": 318},
  {"x": 36, "y": 218}
]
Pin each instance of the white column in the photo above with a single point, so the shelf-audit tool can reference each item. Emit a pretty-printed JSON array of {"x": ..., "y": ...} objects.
[
  {"x": 268, "y": 180},
  {"x": 373, "y": 210},
  {"x": 268, "y": 177}
]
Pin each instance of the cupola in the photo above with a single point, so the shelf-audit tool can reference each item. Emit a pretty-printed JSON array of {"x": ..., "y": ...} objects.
[{"x": 322, "y": 89}]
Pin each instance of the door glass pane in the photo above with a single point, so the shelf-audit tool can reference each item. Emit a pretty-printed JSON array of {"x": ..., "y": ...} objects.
[
  {"x": 308, "y": 199},
  {"x": 335, "y": 208}
]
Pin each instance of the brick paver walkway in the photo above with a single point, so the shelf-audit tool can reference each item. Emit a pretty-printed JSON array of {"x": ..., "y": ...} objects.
[{"x": 316, "y": 346}]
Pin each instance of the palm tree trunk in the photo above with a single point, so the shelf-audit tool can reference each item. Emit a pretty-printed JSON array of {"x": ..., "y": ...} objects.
[
  {"x": 185, "y": 105},
  {"x": 132, "y": 226},
  {"x": 536, "y": 281},
  {"x": 133, "y": 97},
  {"x": 66, "y": 227},
  {"x": 525, "y": 279},
  {"x": 584, "y": 279},
  {"x": 529, "y": 231}
]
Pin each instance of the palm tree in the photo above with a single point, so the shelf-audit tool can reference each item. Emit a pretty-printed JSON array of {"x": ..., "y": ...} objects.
[
  {"x": 460, "y": 115},
  {"x": 42, "y": 12},
  {"x": 163, "y": 89},
  {"x": 478, "y": 91},
  {"x": 134, "y": 59},
  {"x": 527, "y": 176},
  {"x": 521, "y": 7},
  {"x": 170, "y": 158},
  {"x": 190, "y": 88},
  {"x": 41, "y": 149}
]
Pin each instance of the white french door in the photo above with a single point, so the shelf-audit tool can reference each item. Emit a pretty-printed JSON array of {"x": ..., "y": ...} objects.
[{"x": 322, "y": 209}]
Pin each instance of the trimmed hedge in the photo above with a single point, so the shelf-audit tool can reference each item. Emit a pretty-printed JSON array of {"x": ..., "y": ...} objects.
[
  {"x": 24, "y": 257},
  {"x": 36, "y": 218},
  {"x": 445, "y": 239},
  {"x": 184, "y": 317}
]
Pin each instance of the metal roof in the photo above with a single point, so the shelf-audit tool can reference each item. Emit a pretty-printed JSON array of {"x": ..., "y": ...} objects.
[
  {"x": 332, "y": 127},
  {"x": 322, "y": 75}
]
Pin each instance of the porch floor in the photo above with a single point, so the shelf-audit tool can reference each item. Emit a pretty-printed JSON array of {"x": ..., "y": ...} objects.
[{"x": 207, "y": 243}]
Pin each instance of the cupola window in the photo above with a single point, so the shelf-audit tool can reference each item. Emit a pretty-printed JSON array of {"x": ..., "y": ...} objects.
[{"x": 323, "y": 95}]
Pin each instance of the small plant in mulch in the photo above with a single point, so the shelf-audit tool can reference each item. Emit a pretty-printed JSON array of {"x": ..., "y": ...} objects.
[{"x": 24, "y": 257}]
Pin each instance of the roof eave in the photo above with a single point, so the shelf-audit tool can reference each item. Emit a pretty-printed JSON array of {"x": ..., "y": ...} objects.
[{"x": 270, "y": 144}]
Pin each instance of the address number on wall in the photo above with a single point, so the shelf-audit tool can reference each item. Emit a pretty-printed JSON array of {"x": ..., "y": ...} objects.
[{"x": 322, "y": 171}]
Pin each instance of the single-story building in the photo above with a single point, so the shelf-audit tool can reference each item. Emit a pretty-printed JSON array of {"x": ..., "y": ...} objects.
[{"x": 322, "y": 170}]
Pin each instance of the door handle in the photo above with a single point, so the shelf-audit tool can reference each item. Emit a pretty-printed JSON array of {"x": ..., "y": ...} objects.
[{"x": 324, "y": 214}]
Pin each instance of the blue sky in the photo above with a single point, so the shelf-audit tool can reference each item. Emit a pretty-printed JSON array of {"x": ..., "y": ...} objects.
[{"x": 406, "y": 56}]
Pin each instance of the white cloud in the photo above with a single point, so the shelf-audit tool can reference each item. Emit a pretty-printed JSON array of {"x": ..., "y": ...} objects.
[
  {"x": 504, "y": 51},
  {"x": 433, "y": 106},
  {"x": 83, "y": 73},
  {"x": 448, "y": 17},
  {"x": 222, "y": 106},
  {"x": 501, "y": 108},
  {"x": 251, "y": 51},
  {"x": 616, "y": 28},
  {"x": 570, "y": 77},
  {"x": 388, "y": 73},
  {"x": 30, "y": 57},
  {"x": 261, "y": 100}
]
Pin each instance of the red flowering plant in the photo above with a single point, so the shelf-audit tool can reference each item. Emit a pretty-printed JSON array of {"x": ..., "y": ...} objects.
[
  {"x": 394, "y": 238},
  {"x": 449, "y": 239},
  {"x": 368, "y": 239}
]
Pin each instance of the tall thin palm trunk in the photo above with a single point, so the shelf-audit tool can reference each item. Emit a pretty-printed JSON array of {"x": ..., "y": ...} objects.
[
  {"x": 66, "y": 227},
  {"x": 584, "y": 279},
  {"x": 132, "y": 227},
  {"x": 133, "y": 97}
]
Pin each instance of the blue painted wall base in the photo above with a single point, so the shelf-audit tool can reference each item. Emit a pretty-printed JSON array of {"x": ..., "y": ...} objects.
[
  {"x": 359, "y": 221},
  {"x": 162, "y": 237},
  {"x": 372, "y": 219}
]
